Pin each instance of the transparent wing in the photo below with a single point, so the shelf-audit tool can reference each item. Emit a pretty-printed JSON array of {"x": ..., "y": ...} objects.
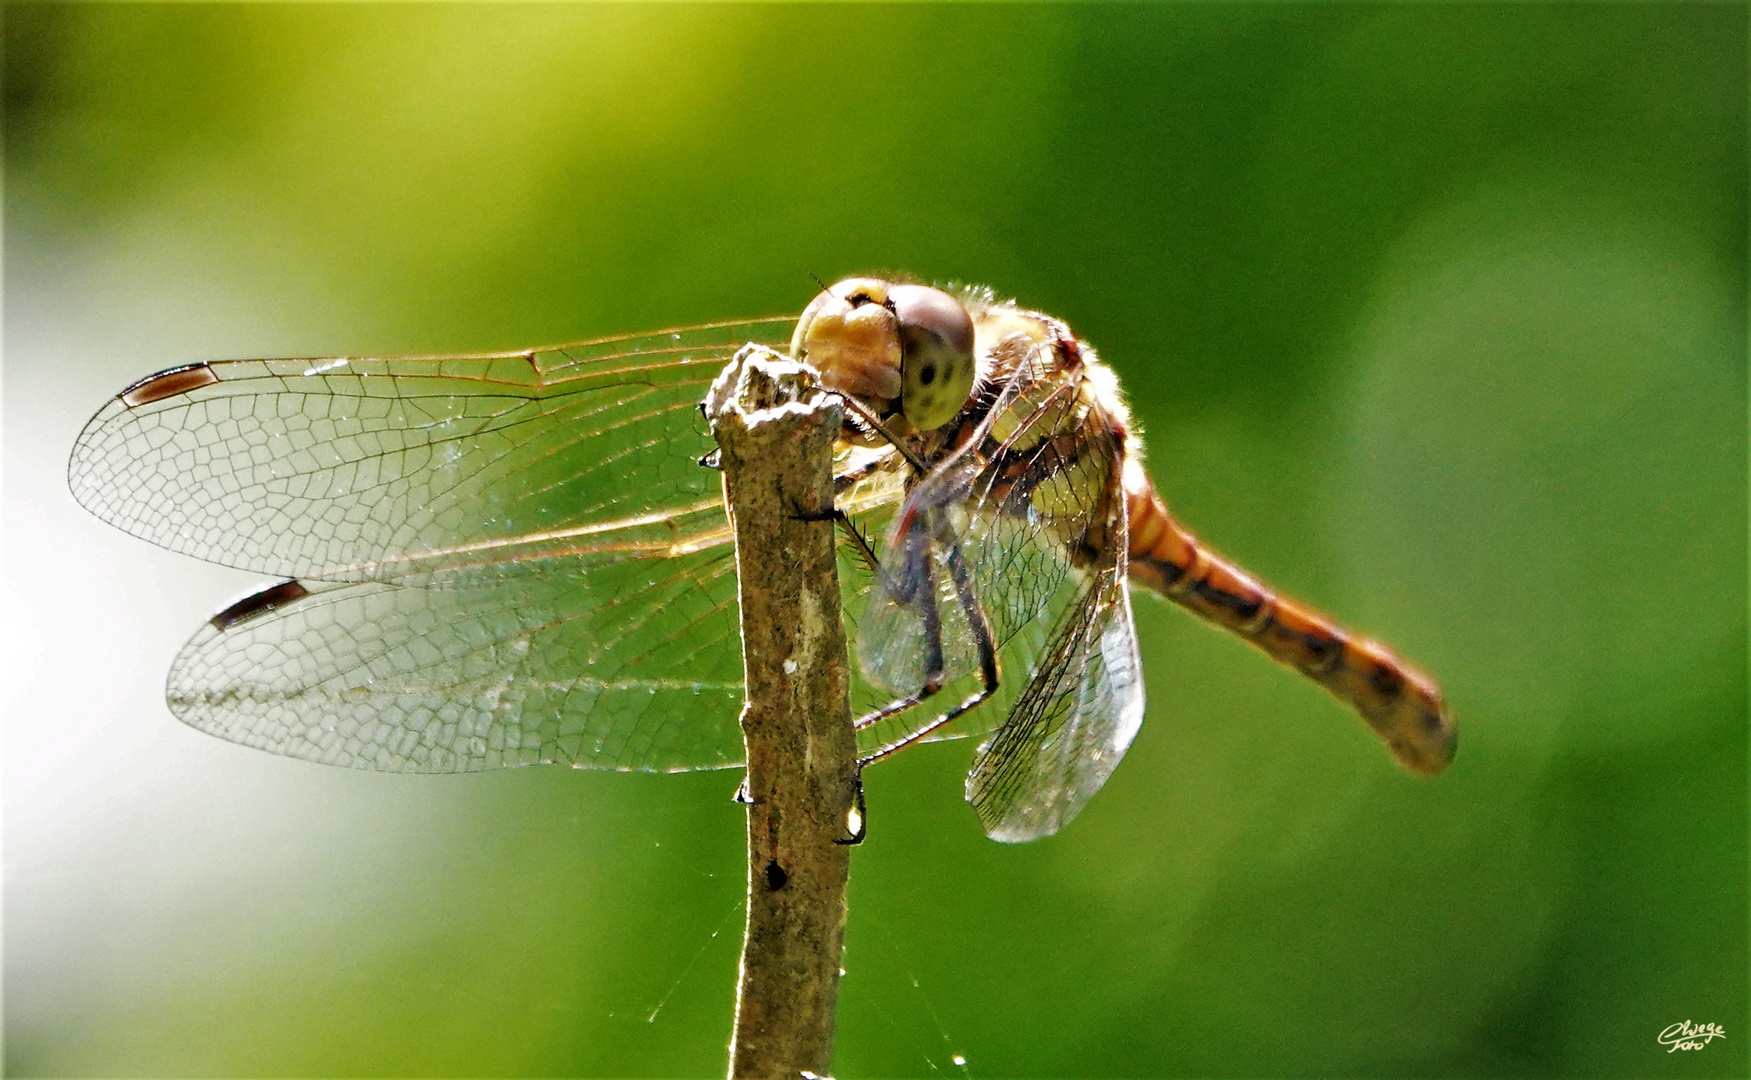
[
  {"x": 357, "y": 469},
  {"x": 1026, "y": 502},
  {"x": 1072, "y": 723},
  {"x": 506, "y": 559},
  {"x": 1034, "y": 506},
  {"x": 597, "y": 661}
]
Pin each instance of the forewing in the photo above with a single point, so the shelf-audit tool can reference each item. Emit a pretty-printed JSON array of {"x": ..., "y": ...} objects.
[
  {"x": 359, "y": 469},
  {"x": 1072, "y": 723},
  {"x": 598, "y": 661}
]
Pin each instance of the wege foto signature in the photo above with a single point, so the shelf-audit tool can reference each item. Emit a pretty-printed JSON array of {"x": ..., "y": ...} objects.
[{"x": 1685, "y": 1035}]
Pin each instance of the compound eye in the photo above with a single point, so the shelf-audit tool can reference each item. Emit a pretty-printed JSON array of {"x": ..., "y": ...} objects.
[{"x": 936, "y": 354}]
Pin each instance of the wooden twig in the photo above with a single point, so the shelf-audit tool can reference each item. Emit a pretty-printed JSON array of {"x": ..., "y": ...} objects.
[{"x": 775, "y": 433}]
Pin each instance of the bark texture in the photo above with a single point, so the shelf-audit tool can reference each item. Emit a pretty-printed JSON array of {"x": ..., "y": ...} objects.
[{"x": 775, "y": 433}]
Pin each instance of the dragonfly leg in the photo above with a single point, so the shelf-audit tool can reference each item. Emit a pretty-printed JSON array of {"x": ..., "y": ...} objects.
[
  {"x": 858, "y": 541},
  {"x": 935, "y": 673},
  {"x": 889, "y": 749},
  {"x": 983, "y": 640},
  {"x": 865, "y": 550},
  {"x": 875, "y": 423}
]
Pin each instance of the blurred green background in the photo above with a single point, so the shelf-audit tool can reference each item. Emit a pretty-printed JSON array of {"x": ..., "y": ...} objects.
[{"x": 1433, "y": 316}]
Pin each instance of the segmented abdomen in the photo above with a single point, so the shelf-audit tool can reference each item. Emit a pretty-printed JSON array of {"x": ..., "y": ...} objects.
[{"x": 1400, "y": 703}]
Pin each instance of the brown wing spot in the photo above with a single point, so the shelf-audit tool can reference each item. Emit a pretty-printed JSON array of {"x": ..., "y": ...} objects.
[
  {"x": 259, "y": 603},
  {"x": 168, "y": 384}
]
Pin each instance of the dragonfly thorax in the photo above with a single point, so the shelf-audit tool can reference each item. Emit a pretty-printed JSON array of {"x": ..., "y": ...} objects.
[{"x": 900, "y": 349}]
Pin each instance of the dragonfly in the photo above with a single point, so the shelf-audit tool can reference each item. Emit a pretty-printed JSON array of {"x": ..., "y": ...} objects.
[{"x": 517, "y": 558}]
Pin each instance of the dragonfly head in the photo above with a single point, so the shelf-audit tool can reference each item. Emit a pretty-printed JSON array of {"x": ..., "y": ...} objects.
[{"x": 899, "y": 348}]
